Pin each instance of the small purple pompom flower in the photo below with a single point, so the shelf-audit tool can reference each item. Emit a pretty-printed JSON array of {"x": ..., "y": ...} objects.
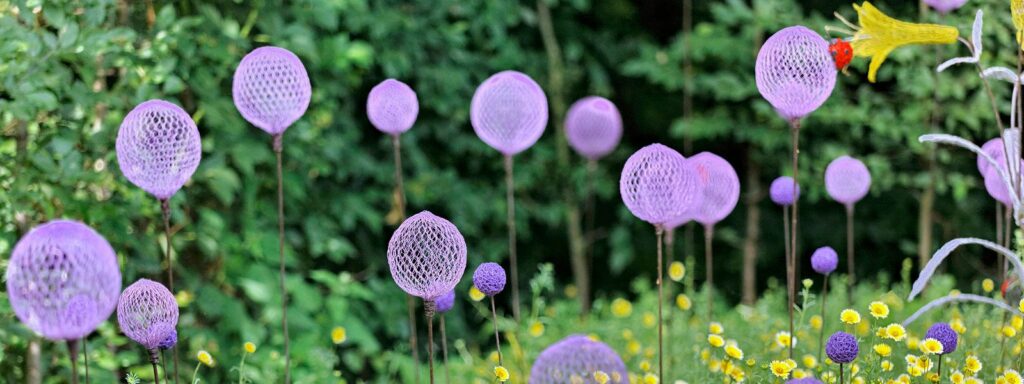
[
  {"x": 824, "y": 260},
  {"x": 806, "y": 380},
  {"x": 170, "y": 341},
  {"x": 489, "y": 278},
  {"x": 782, "y": 192},
  {"x": 842, "y": 348},
  {"x": 945, "y": 335},
  {"x": 147, "y": 313},
  {"x": 445, "y": 302}
]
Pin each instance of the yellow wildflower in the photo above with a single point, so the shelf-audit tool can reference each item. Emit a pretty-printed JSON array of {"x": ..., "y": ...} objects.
[
  {"x": 475, "y": 294},
  {"x": 780, "y": 369},
  {"x": 988, "y": 285},
  {"x": 600, "y": 377},
  {"x": 645, "y": 365},
  {"x": 676, "y": 271},
  {"x": 536, "y": 329},
  {"x": 810, "y": 362},
  {"x": 880, "y": 34},
  {"x": 1012, "y": 377},
  {"x": 912, "y": 342},
  {"x": 882, "y": 349},
  {"x": 895, "y": 332},
  {"x": 931, "y": 346},
  {"x": 716, "y": 340},
  {"x": 957, "y": 377},
  {"x": 972, "y": 365},
  {"x": 716, "y": 328},
  {"x": 737, "y": 375},
  {"x": 338, "y": 335},
  {"x": 621, "y": 307},
  {"x": 650, "y": 378},
  {"x": 249, "y": 347},
  {"x": 816, "y": 322},
  {"x": 734, "y": 351},
  {"x": 650, "y": 320},
  {"x": 1017, "y": 322},
  {"x": 205, "y": 358},
  {"x": 849, "y": 316},
  {"x": 1009, "y": 331},
  {"x": 501, "y": 374},
  {"x": 958, "y": 326},
  {"x": 782, "y": 339},
  {"x": 1020, "y": 305},
  {"x": 683, "y": 302},
  {"x": 886, "y": 365},
  {"x": 878, "y": 310}
]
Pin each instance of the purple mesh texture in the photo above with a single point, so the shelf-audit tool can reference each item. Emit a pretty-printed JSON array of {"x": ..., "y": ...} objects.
[
  {"x": 509, "y": 112},
  {"x": 945, "y": 6},
  {"x": 824, "y": 260},
  {"x": 782, "y": 192},
  {"x": 593, "y": 126},
  {"x": 427, "y": 256},
  {"x": 795, "y": 72},
  {"x": 842, "y": 348},
  {"x": 392, "y": 107},
  {"x": 945, "y": 335},
  {"x": 658, "y": 185},
  {"x": 806, "y": 380},
  {"x": 147, "y": 313},
  {"x": 994, "y": 148},
  {"x": 170, "y": 341},
  {"x": 576, "y": 356},
  {"x": 489, "y": 278},
  {"x": 847, "y": 180},
  {"x": 445, "y": 302},
  {"x": 158, "y": 147},
  {"x": 271, "y": 89},
  {"x": 63, "y": 280},
  {"x": 719, "y": 185}
]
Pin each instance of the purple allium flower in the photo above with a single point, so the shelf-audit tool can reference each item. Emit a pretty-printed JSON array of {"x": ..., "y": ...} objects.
[
  {"x": 170, "y": 341},
  {"x": 593, "y": 126},
  {"x": 795, "y": 72},
  {"x": 847, "y": 180},
  {"x": 842, "y": 348},
  {"x": 782, "y": 192},
  {"x": 824, "y": 260},
  {"x": 63, "y": 280},
  {"x": 576, "y": 355},
  {"x": 945, "y": 335},
  {"x": 427, "y": 256},
  {"x": 445, "y": 302},
  {"x": 659, "y": 185},
  {"x": 158, "y": 147},
  {"x": 489, "y": 278},
  {"x": 392, "y": 107},
  {"x": 271, "y": 89},
  {"x": 509, "y": 112},
  {"x": 806, "y": 380},
  {"x": 147, "y": 313},
  {"x": 945, "y": 6},
  {"x": 719, "y": 185}
]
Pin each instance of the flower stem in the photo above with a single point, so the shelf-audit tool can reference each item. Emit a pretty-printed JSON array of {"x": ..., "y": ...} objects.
[
  {"x": 821, "y": 332},
  {"x": 410, "y": 303},
  {"x": 444, "y": 350},
  {"x": 497, "y": 339},
  {"x": 73, "y": 356},
  {"x": 511, "y": 206},
  {"x": 154, "y": 359},
  {"x": 850, "y": 265},
  {"x": 659, "y": 231},
  {"x": 791, "y": 268},
  {"x": 165, "y": 208},
  {"x": 241, "y": 369},
  {"x": 194, "y": 373},
  {"x": 709, "y": 266},
  {"x": 278, "y": 148},
  {"x": 430, "y": 308}
]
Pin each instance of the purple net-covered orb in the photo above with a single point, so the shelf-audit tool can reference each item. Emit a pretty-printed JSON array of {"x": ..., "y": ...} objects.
[
  {"x": 392, "y": 107},
  {"x": 842, "y": 348},
  {"x": 489, "y": 278},
  {"x": 658, "y": 185},
  {"x": 147, "y": 313},
  {"x": 427, "y": 256},
  {"x": 795, "y": 72},
  {"x": 945, "y": 335},
  {"x": 679, "y": 221},
  {"x": 574, "y": 359},
  {"x": 719, "y": 185},
  {"x": 782, "y": 192},
  {"x": 509, "y": 112},
  {"x": 806, "y": 380},
  {"x": 593, "y": 126},
  {"x": 170, "y": 341},
  {"x": 945, "y": 6},
  {"x": 847, "y": 180},
  {"x": 271, "y": 89},
  {"x": 445, "y": 302},
  {"x": 824, "y": 260},
  {"x": 158, "y": 147},
  {"x": 63, "y": 280}
]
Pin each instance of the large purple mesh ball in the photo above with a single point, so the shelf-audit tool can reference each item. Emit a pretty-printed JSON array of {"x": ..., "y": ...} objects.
[
  {"x": 847, "y": 180},
  {"x": 489, "y": 278},
  {"x": 824, "y": 260},
  {"x": 147, "y": 313},
  {"x": 427, "y": 256},
  {"x": 271, "y": 89},
  {"x": 945, "y": 335},
  {"x": 842, "y": 348},
  {"x": 509, "y": 112},
  {"x": 782, "y": 191},
  {"x": 158, "y": 147},
  {"x": 392, "y": 107},
  {"x": 63, "y": 280},
  {"x": 719, "y": 186},
  {"x": 945, "y": 6},
  {"x": 680, "y": 220},
  {"x": 593, "y": 126},
  {"x": 446, "y": 302},
  {"x": 795, "y": 72},
  {"x": 574, "y": 359},
  {"x": 658, "y": 185}
]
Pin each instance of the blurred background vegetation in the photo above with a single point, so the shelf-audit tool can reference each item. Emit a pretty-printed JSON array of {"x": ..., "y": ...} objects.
[{"x": 71, "y": 70}]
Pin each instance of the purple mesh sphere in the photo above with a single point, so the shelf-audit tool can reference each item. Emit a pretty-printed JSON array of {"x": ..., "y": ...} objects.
[
  {"x": 158, "y": 147},
  {"x": 509, "y": 112},
  {"x": 576, "y": 356},
  {"x": 945, "y": 6},
  {"x": 847, "y": 180},
  {"x": 658, "y": 185},
  {"x": 170, "y": 341},
  {"x": 427, "y": 256},
  {"x": 993, "y": 148},
  {"x": 593, "y": 126},
  {"x": 842, "y": 348},
  {"x": 680, "y": 220},
  {"x": 445, "y": 302},
  {"x": 824, "y": 260},
  {"x": 795, "y": 72},
  {"x": 392, "y": 107},
  {"x": 63, "y": 280},
  {"x": 489, "y": 278},
  {"x": 806, "y": 380},
  {"x": 719, "y": 185},
  {"x": 782, "y": 191},
  {"x": 945, "y": 335},
  {"x": 271, "y": 89},
  {"x": 147, "y": 313}
]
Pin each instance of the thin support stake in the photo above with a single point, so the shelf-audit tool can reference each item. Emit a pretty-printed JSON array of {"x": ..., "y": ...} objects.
[
  {"x": 850, "y": 264},
  {"x": 165, "y": 208},
  {"x": 511, "y": 205},
  {"x": 73, "y": 356},
  {"x": 659, "y": 231},
  {"x": 821, "y": 332},
  {"x": 154, "y": 359},
  {"x": 709, "y": 265},
  {"x": 278, "y": 148},
  {"x": 429, "y": 308},
  {"x": 85, "y": 358},
  {"x": 791, "y": 281},
  {"x": 410, "y": 302},
  {"x": 444, "y": 350}
]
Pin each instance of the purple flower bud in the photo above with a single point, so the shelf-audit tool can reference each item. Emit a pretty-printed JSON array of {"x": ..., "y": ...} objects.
[
  {"x": 489, "y": 278},
  {"x": 147, "y": 313},
  {"x": 945, "y": 335},
  {"x": 445, "y": 302},
  {"x": 824, "y": 260},
  {"x": 392, "y": 107},
  {"x": 782, "y": 192},
  {"x": 170, "y": 341},
  {"x": 842, "y": 348},
  {"x": 576, "y": 355}
]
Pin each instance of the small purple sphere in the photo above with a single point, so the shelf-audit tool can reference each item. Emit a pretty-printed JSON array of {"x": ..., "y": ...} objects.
[
  {"x": 576, "y": 356},
  {"x": 720, "y": 188},
  {"x": 659, "y": 185},
  {"x": 392, "y": 107},
  {"x": 170, "y": 341},
  {"x": 147, "y": 313},
  {"x": 782, "y": 191},
  {"x": 824, "y": 260},
  {"x": 271, "y": 89},
  {"x": 795, "y": 72},
  {"x": 509, "y": 112},
  {"x": 842, "y": 348},
  {"x": 593, "y": 126},
  {"x": 945, "y": 6},
  {"x": 427, "y": 256},
  {"x": 489, "y": 278},
  {"x": 158, "y": 147},
  {"x": 847, "y": 180},
  {"x": 945, "y": 335},
  {"x": 445, "y": 302}
]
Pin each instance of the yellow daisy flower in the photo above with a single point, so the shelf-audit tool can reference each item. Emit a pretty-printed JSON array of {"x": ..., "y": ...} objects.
[
  {"x": 780, "y": 369},
  {"x": 972, "y": 365},
  {"x": 716, "y": 340},
  {"x": 601, "y": 378},
  {"x": 683, "y": 302},
  {"x": 475, "y": 294},
  {"x": 849, "y": 316},
  {"x": 895, "y": 332},
  {"x": 878, "y": 310},
  {"x": 621, "y": 307},
  {"x": 249, "y": 347},
  {"x": 883, "y": 350},
  {"x": 501, "y": 374},
  {"x": 676, "y": 271},
  {"x": 716, "y": 328},
  {"x": 931, "y": 346},
  {"x": 988, "y": 285},
  {"x": 339, "y": 335},
  {"x": 205, "y": 358}
]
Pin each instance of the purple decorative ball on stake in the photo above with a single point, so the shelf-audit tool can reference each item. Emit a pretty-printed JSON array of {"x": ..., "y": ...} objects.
[
  {"x": 573, "y": 357},
  {"x": 147, "y": 313},
  {"x": 945, "y": 335},
  {"x": 847, "y": 180},
  {"x": 806, "y": 380},
  {"x": 593, "y": 126},
  {"x": 782, "y": 192},
  {"x": 842, "y": 348},
  {"x": 719, "y": 186},
  {"x": 446, "y": 302},
  {"x": 509, "y": 112},
  {"x": 489, "y": 278},
  {"x": 824, "y": 260},
  {"x": 658, "y": 185},
  {"x": 158, "y": 147},
  {"x": 427, "y": 256},
  {"x": 945, "y": 6},
  {"x": 795, "y": 72},
  {"x": 392, "y": 107},
  {"x": 271, "y": 89}
]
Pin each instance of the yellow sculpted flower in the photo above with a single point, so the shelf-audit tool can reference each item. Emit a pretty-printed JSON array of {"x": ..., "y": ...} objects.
[
  {"x": 338, "y": 335},
  {"x": 501, "y": 374},
  {"x": 734, "y": 351},
  {"x": 878, "y": 310},
  {"x": 931, "y": 346},
  {"x": 205, "y": 358},
  {"x": 475, "y": 294},
  {"x": 849, "y": 316},
  {"x": 249, "y": 347},
  {"x": 895, "y": 332},
  {"x": 650, "y": 320},
  {"x": 716, "y": 340},
  {"x": 683, "y": 302},
  {"x": 621, "y": 307},
  {"x": 880, "y": 34},
  {"x": 972, "y": 365},
  {"x": 716, "y": 328},
  {"x": 957, "y": 377},
  {"x": 676, "y": 271},
  {"x": 601, "y": 378},
  {"x": 780, "y": 369}
]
